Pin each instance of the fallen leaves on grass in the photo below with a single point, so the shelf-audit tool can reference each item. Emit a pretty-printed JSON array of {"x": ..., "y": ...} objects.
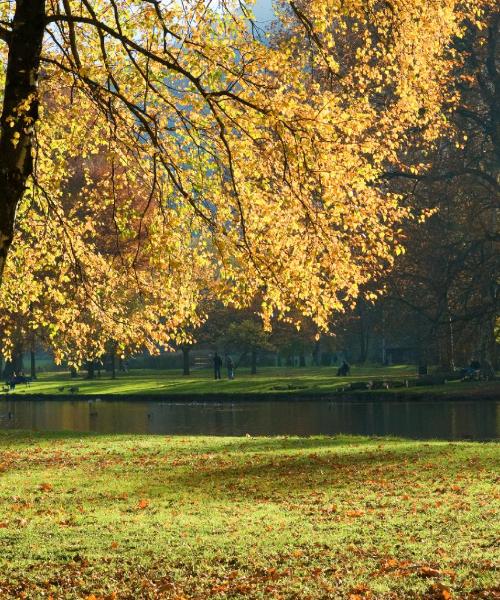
[{"x": 438, "y": 591}]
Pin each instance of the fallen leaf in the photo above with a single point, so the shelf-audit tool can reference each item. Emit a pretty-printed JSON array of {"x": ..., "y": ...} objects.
[
  {"x": 440, "y": 592},
  {"x": 428, "y": 572}
]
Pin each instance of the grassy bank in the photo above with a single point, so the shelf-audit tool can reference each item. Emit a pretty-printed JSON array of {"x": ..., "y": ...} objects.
[
  {"x": 158, "y": 517},
  {"x": 269, "y": 381}
]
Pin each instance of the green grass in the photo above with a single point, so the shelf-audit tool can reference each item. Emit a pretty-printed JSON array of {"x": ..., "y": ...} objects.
[
  {"x": 291, "y": 518},
  {"x": 268, "y": 380},
  {"x": 277, "y": 381}
]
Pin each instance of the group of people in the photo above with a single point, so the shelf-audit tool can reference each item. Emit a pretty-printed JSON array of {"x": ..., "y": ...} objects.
[
  {"x": 218, "y": 362},
  {"x": 476, "y": 370},
  {"x": 342, "y": 371},
  {"x": 16, "y": 378}
]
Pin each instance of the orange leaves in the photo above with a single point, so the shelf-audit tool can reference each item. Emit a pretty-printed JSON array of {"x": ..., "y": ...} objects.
[
  {"x": 404, "y": 568},
  {"x": 425, "y": 571},
  {"x": 355, "y": 513},
  {"x": 46, "y": 487},
  {"x": 142, "y": 504},
  {"x": 438, "y": 591},
  {"x": 428, "y": 572},
  {"x": 360, "y": 592}
]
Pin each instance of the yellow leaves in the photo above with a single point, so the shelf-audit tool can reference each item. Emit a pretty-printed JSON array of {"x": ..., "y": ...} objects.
[
  {"x": 144, "y": 218},
  {"x": 15, "y": 138}
]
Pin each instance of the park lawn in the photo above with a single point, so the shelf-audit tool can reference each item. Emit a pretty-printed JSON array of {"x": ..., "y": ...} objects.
[
  {"x": 132, "y": 517},
  {"x": 163, "y": 382}
]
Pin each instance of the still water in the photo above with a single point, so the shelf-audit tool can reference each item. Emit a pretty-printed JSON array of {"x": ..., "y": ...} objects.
[{"x": 477, "y": 420}]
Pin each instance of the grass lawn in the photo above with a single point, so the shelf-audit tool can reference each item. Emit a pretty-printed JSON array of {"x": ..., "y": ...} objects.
[
  {"x": 268, "y": 380},
  {"x": 292, "y": 518}
]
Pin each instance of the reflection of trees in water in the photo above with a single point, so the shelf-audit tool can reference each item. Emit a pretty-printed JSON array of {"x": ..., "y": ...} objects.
[{"x": 446, "y": 420}]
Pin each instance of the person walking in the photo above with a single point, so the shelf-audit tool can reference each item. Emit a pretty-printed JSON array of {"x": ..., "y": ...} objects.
[
  {"x": 230, "y": 367},
  {"x": 217, "y": 365}
]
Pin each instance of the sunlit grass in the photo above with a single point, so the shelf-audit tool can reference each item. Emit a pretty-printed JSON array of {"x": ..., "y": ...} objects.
[
  {"x": 275, "y": 380},
  {"x": 171, "y": 517}
]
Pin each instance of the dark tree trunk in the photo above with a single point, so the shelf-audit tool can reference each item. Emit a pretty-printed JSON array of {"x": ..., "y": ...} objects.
[
  {"x": 316, "y": 354},
  {"x": 302, "y": 360},
  {"x": 253, "y": 369},
  {"x": 185, "y": 360},
  {"x": 16, "y": 127},
  {"x": 73, "y": 373},
  {"x": 113, "y": 361},
  {"x": 90, "y": 369},
  {"x": 32, "y": 364}
]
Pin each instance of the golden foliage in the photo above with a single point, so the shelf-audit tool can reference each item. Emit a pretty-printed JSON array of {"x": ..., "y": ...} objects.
[{"x": 177, "y": 152}]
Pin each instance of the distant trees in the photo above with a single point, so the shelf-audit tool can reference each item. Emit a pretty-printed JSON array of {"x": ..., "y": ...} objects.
[{"x": 448, "y": 282}]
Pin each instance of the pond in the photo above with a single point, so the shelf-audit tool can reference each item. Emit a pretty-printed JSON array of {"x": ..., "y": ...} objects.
[{"x": 452, "y": 420}]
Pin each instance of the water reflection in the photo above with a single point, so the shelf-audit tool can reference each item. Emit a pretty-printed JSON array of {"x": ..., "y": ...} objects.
[{"x": 478, "y": 420}]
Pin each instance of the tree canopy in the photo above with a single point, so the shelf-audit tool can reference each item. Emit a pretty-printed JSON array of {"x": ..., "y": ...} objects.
[{"x": 151, "y": 151}]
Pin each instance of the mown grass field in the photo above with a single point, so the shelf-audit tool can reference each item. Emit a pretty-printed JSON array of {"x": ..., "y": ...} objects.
[
  {"x": 276, "y": 381},
  {"x": 293, "y": 518}
]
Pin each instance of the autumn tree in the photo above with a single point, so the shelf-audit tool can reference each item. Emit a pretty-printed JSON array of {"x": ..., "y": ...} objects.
[
  {"x": 249, "y": 337},
  {"x": 229, "y": 157}
]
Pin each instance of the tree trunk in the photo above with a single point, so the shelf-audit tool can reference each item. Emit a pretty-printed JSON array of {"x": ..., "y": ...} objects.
[
  {"x": 90, "y": 369},
  {"x": 302, "y": 359},
  {"x": 185, "y": 360},
  {"x": 20, "y": 113},
  {"x": 32, "y": 364},
  {"x": 316, "y": 354},
  {"x": 113, "y": 361},
  {"x": 253, "y": 369}
]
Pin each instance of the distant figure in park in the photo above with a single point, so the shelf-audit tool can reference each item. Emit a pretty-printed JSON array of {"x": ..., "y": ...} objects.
[
  {"x": 344, "y": 369},
  {"x": 230, "y": 367},
  {"x": 473, "y": 370},
  {"x": 217, "y": 365},
  {"x": 12, "y": 381}
]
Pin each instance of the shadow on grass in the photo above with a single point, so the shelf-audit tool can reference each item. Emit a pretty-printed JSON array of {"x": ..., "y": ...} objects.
[{"x": 256, "y": 468}]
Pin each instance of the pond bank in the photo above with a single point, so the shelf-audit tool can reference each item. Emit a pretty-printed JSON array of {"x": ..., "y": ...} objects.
[{"x": 465, "y": 391}]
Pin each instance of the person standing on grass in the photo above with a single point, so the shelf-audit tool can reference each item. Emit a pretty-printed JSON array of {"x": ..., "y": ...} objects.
[
  {"x": 217, "y": 365},
  {"x": 230, "y": 367}
]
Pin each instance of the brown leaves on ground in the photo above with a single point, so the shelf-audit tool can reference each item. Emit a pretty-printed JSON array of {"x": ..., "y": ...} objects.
[{"x": 438, "y": 591}]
